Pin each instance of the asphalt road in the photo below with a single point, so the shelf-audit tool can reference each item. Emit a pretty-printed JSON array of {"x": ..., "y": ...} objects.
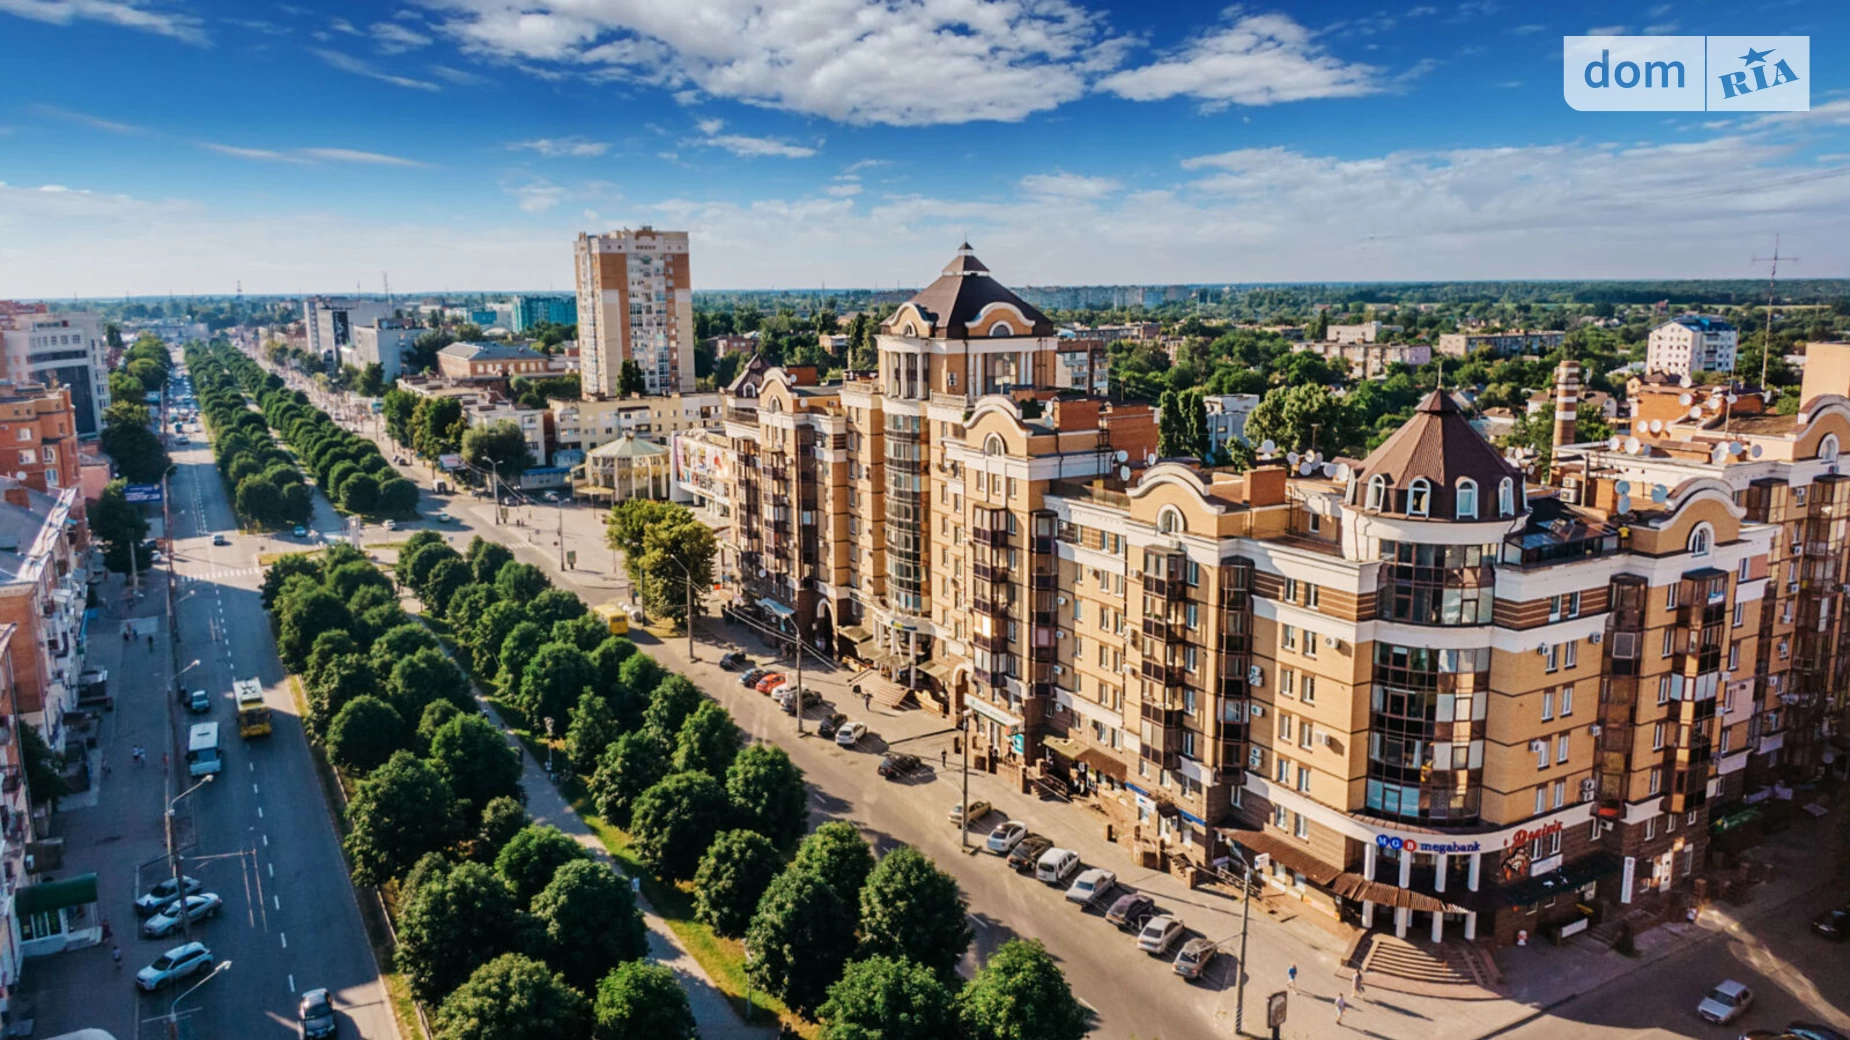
[{"x": 264, "y": 838}]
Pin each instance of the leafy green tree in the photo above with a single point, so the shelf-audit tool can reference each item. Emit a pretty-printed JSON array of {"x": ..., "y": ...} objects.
[
  {"x": 349, "y": 578},
  {"x": 676, "y": 563},
  {"x": 555, "y": 605},
  {"x": 466, "y": 607},
  {"x": 607, "y": 662},
  {"x": 360, "y": 494},
  {"x": 305, "y": 616},
  {"x": 836, "y": 853},
  {"x": 642, "y": 1001},
  {"x": 707, "y": 742},
  {"x": 518, "y": 650},
  {"x": 530, "y": 859},
  {"x": 343, "y": 678},
  {"x": 282, "y": 570},
  {"x": 520, "y": 583},
  {"x": 436, "y": 715},
  {"x": 1290, "y": 415},
  {"x": 800, "y": 937},
  {"x": 592, "y": 730},
  {"x": 630, "y": 521},
  {"x": 445, "y": 580},
  {"x": 586, "y": 632},
  {"x": 499, "y": 447},
  {"x": 910, "y": 908},
  {"x": 400, "y": 812},
  {"x": 632, "y": 764},
  {"x": 364, "y": 735},
  {"x": 733, "y": 875},
  {"x": 121, "y": 527},
  {"x": 767, "y": 794},
  {"x": 44, "y": 768},
  {"x": 400, "y": 643},
  {"x": 490, "y": 630},
  {"x": 513, "y": 998},
  {"x": 426, "y": 676},
  {"x": 673, "y": 700},
  {"x": 674, "y": 822},
  {"x": 474, "y": 758},
  {"x": 888, "y": 998},
  {"x": 456, "y": 920},
  {"x": 398, "y": 497},
  {"x": 502, "y": 818},
  {"x": 328, "y": 646},
  {"x": 424, "y": 559},
  {"x": 486, "y": 559},
  {"x": 1021, "y": 994},
  {"x": 629, "y": 379},
  {"x": 135, "y": 449},
  {"x": 553, "y": 680},
  {"x": 591, "y": 922}
]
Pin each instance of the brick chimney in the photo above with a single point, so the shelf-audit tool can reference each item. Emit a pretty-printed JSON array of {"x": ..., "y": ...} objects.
[
  {"x": 1567, "y": 401},
  {"x": 16, "y": 494}
]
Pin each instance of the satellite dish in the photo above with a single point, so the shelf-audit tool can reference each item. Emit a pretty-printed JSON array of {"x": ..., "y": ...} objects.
[
  {"x": 1343, "y": 472},
  {"x": 1631, "y": 445},
  {"x": 1625, "y": 503},
  {"x": 1124, "y": 473},
  {"x": 1736, "y": 448},
  {"x": 1769, "y": 395},
  {"x": 1149, "y": 459},
  {"x": 1719, "y": 455},
  {"x": 1686, "y": 382},
  {"x": 1657, "y": 426},
  {"x": 1616, "y": 443},
  {"x": 1623, "y": 487},
  {"x": 1660, "y": 494},
  {"x": 1732, "y": 398},
  {"x": 1123, "y": 456},
  {"x": 1696, "y": 412},
  {"x": 1291, "y": 457},
  {"x": 1267, "y": 447},
  {"x": 1304, "y": 469},
  {"x": 1686, "y": 400},
  {"x": 1328, "y": 469},
  {"x": 1315, "y": 456},
  {"x": 1754, "y": 452}
]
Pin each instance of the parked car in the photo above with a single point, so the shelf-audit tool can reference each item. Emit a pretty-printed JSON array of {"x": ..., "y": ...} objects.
[
  {"x": 1726, "y": 1002},
  {"x": 316, "y": 1015},
  {"x": 1159, "y": 934},
  {"x": 1056, "y": 865},
  {"x": 157, "y": 898},
  {"x": 300, "y": 531},
  {"x": 199, "y": 701},
  {"x": 896, "y": 765},
  {"x": 770, "y": 681},
  {"x": 788, "y": 696},
  {"x": 750, "y": 679},
  {"x": 1131, "y": 911},
  {"x": 1814, "y": 1031},
  {"x": 734, "y": 660},
  {"x": 1023, "y": 858},
  {"x": 978, "y": 810},
  {"x": 1091, "y": 886},
  {"x": 1006, "y": 836},
  {"x": 390, "y": 525},
  {"x": 177, "y": 963},
  {"x": 444, "y": 518},
  {"x": 850, "y": 733},
  {"x": 827, "y": 727},
  {"x": 219, "y": 539},
  {"x": 1195, "y": 957},
  {"x": 1833, "y": 924},
  {"x": 198, "y": 908}
]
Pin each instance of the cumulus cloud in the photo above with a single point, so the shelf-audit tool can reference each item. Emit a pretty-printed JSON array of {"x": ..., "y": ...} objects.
[
  {"x": 1069, "y": 185},
  {"x": 1258, "y": 60},
  {"x": 127, "y": 14},
  {"x": 747, "y": 146},
  {"x": 562, "y": 147}
]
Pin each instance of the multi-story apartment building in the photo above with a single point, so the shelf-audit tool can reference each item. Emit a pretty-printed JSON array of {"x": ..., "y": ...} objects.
[
  {"x": 1365, "y": 332},
  {"x": 635, "y": 303},
  {"x": 1368, "y": 359},
  {"x": 329, "y": 322},
  {"x": 67, "y": 348},
  {"x": 529, "y": 311},
  {"x": 42, "y": 594},
  {"x": 382, "y": 343},
  {"x": 38, "y": 438},
  {"x": 15, "y": 824},
  {"x": 1692, "y": 343},
  {"x": 1500, "y": 344},
  {"x": 1434, "y": 696}
]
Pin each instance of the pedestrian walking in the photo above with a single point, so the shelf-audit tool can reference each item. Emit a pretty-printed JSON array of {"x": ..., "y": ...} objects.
[
  {"x": 1355, "y": 988},
  {"x": 944, "y": 758},
  {"x": 867, "y": 701},
  {"x": 1341, "y": 1006},
  {"x": 105, "y": 765},
  {"x": 115, "y": 954},
  {"x": 1291, "y": 975}
]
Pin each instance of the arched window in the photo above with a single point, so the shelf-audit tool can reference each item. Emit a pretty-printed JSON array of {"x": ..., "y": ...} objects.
[
  {"x": 993, "y": 445},
  {"x": 1701, "y": 539},
  {"x": 911, "y": 331},
  {"x": 1827, "y": 448},
  {"x": 1506, "y": 498},
  {"x": 1467, "y": 498},
  {"x": 1001, "y": 328},
  {"x": 1377, "y": 491},
  {"x": 1170, "y": 521},
  {"x": 1419, "y": 497}
]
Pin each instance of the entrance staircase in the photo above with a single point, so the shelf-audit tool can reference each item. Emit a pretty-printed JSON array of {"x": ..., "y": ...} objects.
[{"x": 1451, "y": 969}]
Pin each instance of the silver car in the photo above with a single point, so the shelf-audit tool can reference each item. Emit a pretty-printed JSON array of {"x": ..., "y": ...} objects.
[
  {"x": 175, "y": 964},
  {"x": 164, "y": 893},
  {"x": 1006, "y": 836},
  {"x": 197, "y": 908},
  {"x": 1159, "y": 934}
]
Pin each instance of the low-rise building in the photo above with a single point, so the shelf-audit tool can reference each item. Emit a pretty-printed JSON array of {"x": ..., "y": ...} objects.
[
  {"x": 1692, "y": 343},
  {"x": 586, "y": 424},
  {"x": 1365, "y": 332},
  {"x": 495, "y": 362},
  {"x": 383, "y": 343},
  {"x": 1227, "y": 415},
  {"x": 1369, "y": 359},
  {"x": 625, "y": 468},
  {"x": 1500, "y": 344},
  {"x": 531, "y": 310}
]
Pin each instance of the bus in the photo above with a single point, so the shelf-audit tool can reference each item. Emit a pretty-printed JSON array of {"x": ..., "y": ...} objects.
[
  {"x": 202, "y": 754},
  {"x": 253, "y": 714},
  {"x": 615, "y": 617}
]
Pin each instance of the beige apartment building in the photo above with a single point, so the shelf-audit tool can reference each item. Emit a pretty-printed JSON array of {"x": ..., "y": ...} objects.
[
  {"x": 1424, "y": 693},
  {"x": 635, "y": 303}
]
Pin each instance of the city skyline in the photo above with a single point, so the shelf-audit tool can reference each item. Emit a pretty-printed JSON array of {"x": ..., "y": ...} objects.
[{"x": 309, "y": 149}]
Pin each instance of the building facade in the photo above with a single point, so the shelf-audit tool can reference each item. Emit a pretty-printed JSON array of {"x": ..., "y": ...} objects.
[
  {"x": 635, "y": 303},
  {"x": 329, "y": 322},
  {"x": 383, "y": 343},
  {"x": 1368, "y": 359},
  {"x": 1500, "y": 344},
  {"x": 66, "y": 348},
  {"x": 42, "y": 592},
  {"x": 495, "y": 362},
  {"x": 1692, "y": 343},
  {"x": 586, "y": 425},
  {"x": 531, "y": 310}
]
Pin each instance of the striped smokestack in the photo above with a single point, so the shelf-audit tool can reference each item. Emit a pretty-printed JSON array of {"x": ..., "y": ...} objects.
[{"x": 1567, "y": 401}]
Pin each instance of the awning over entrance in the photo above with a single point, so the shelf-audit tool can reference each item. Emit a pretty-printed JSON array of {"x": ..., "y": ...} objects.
[
  {"x": 1065, "y": 747},
  {"x": 1314, "y": 870},
  {"x": 854, "y": 634},
  {"x": 939, "y": 670},
  {"x": 777, "y": 608},
  {"x": 1101, "y": 762},
  {"x": 1568, "y": 878},
  {"x": 1357, "y": 887},
  {"x": 55, "y": 895}
]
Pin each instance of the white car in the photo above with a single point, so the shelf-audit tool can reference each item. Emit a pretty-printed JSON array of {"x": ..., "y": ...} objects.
[
  {"x": 850, "y": 733},
  {"x": 390, "y": 525},
  {"x": 1006, "y": 836},
  {"x": 1159, "y": 934},
  {"x": 175, "y": 964},
  {"x": 158, "y": 897},
  {"x": 1056, "y": 865},
  {"x": 1725, "y": 1002},
  {"x": 1091, "y": 885},
  {"x": 198, "y": 907}
]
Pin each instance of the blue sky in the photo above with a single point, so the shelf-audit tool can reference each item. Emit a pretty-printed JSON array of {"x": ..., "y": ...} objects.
[{"x": 153, "y": 146}]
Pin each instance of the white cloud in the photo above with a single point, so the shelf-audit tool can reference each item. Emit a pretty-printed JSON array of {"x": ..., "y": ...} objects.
[
  {"x": 459, "y": 77},
  {"x": 261, "y": 154},
  {"x": 710, "y": 126},
  {"x": 1526, "y": 30},
  {"x": 128, "y": 14},
  {"x": 537, "y": 195},
  {"x": 1662, "y": 29},
  {"x": 915, "y": 63},
  {"x": 92, "y": 121},
  {"x": 758, "y": 147},
  {"x": 349, "y": 155},
  {"x": 562, "y": 147},
  {"x": 866, "y": 164},
  {"x": 394, "y": 38},
  {"x": 1258, "y": 60},
  {"x": 1063, "y": 185},
  {"x": 1608, "y": 30},
  {"x": 844, "y": 191},
  {"x": 349, "y": 63}
]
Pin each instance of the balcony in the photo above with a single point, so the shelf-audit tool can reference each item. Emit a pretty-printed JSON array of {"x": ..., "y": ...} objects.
[
  {"x": 1166, "y": 588},
  {"x": 1168, "y": 630},
  {"x": 994, "y": 537},
  {"x": 995, "y": 608},
  {"x": 1164, "y": 675},
  {"x": 992, "y": 642},
  {"x": 992, "y": 573}
]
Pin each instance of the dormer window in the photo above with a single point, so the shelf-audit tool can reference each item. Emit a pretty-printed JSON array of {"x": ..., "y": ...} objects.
[
  {"x": 1701, "y": 539},
  {"x": 1827, "y": 448},
  {"x": 999, "y": 329},
  {"x": 1170, "y": 521},
  {"x": 993, "y": 445},
  {"x": 1419, "y": 497},
  {"x": 1467, "y": 498},
  {"x": 1506, "y": 498},
  {"x": 1377, "y": 491}
]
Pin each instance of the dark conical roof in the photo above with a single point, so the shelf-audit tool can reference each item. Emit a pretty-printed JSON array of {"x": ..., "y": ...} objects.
[
  {"x": 1439, "y": 445},
  {"x": 960, "y": 295}
]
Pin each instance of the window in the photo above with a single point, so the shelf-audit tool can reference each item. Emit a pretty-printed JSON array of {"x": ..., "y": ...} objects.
[
  {"x": 1559, "y": 799},
  {"x": 1306, "y": 734},
  {"x": 1670, "y": 641},
  {"x": 1740, "y": 614},
  {"x": 1672, "y": 595},
  {"x": 1310, "y": 689},
  {"x": 1290, "y": 637},
  {"x": 1541, "y": 753},
  {"x": 1551, "y": 657},
  {"x": 1282, "y": 772},
  {"x": 1650, "y": 828},
  {"x": 1740, "y": 572},
  {"x": 1567, "y": 700},
  {"x": 1284, "y": 728},
  {"x": 1310, "y": 595},
  {"x": 1280, "y": 817},
  {"x": 1291, "y": 590},
  {"x": 1562, "y": 743},
  {"x": 1419, "y": 497},
  {"x": 1827, "y": 448},
  {"x": 1657, "y": 780},
  {"x": 1377, "y": 490},
  {"x": 1467, "y": 498},
  {"x": 1548, "y": 705},
  {"x": 1701, "y": 539},
  {"x": 1310, "y": 643},
  {"x": 1286, "y": 681},
  {"x": 1570, "y": 654},
  {"x": 1506, "y": 498},
  {"x": 1301, "y": 826},
  {"x": 1304, "y": 779},
  {"x": 1734, "y": 656},
  {"x": 1170, "y": 521},
  {"x": 1657, "y": 736},
  {"x": 1541, "y": 799}
]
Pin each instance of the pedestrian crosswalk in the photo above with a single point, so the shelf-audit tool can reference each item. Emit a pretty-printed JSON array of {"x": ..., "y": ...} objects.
[{"x": 221, "y": 573}]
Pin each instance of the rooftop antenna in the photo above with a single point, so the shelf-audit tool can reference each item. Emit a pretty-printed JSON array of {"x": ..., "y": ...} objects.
[{"x": 1772, "y": 282}]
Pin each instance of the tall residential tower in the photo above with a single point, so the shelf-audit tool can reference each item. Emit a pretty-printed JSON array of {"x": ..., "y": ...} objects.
[{"x": 635, "y": 303}]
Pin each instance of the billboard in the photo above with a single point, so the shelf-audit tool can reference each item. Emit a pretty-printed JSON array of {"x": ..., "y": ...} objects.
[{"x": 142, "y": 492}]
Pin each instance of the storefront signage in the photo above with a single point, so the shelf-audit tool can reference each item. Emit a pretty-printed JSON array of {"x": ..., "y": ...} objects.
[
  {"x": 1626, "y": 879},
  {"x": 1437, "y": 848},
  {"x": 1524, "y": 837}
]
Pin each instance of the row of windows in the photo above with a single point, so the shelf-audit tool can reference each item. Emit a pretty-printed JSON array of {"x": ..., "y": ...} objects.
[{"x": 1418, "y": 500}]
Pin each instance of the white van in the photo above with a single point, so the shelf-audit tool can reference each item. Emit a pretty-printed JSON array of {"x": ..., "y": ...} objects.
[
  {"x": 1056, "y": 865},
  {"x": 202, "y": 753}
]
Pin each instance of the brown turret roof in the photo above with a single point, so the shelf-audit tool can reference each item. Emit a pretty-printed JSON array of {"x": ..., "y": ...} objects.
[
  {"x": 1439, "y": 444},
  {"x": 959, "y": 296}
]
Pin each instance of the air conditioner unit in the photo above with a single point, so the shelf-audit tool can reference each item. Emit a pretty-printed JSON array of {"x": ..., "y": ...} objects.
[
  {"x": 1542, "y": 650},
  {"x": 1323, "y": 739},
  {"x": 1062, "y": 632},
  {"x": 1061, "y": 601},
  {"x": 1255, "y": 675},
  {"x": 1059, "y": 670},
  {"x": 1597, "y": 638},
  {"x": 1538, "y": 744},
  {"x": 1332, "y": 641},
  {"x": 1594, "y": 729}
]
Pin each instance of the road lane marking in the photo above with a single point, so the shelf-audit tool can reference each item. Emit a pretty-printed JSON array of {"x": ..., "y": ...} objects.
[
  {"x": 253, "y": 788},
  {"x": 292, "y": 982},
  {"x": 260, "y": 812},
  {"x": 272, "y": 868},
  {"x": 277, "y": 901},
  {"x": 284, "y": 936}
]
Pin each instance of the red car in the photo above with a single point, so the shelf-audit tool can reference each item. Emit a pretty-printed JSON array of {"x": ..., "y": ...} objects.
[{"x": 771, "y": 682}]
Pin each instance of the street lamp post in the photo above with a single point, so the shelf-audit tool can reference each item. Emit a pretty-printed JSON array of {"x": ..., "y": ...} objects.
[
  {"x": 173, "y": 859},
  {"x": 173, "y": 1010},
  {"x": 688, "y": 579},
  {"x": 1246, "y": 913},
  {"x": 963, "y": 728}
]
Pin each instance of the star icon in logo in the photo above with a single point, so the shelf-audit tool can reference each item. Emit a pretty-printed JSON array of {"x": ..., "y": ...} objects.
[{"x": 1754, "y": 57}]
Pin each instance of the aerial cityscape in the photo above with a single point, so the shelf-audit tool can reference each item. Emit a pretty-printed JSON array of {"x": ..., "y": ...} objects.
[{"x": 979, "y": 521}]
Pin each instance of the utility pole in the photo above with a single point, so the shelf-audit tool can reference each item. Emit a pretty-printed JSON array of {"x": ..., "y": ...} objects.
[
  {"x": 963, "y": 728},
  {"x": 1246, "y": 912},
  {"x": 558, "y": 511},
  {"x": 1772, "y": 283}
]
